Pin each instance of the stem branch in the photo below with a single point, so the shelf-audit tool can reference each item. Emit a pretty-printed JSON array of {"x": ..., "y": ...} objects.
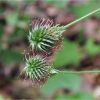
[
  {"x": 54, "y": 71},
  {"x": 87, "y": 15}
]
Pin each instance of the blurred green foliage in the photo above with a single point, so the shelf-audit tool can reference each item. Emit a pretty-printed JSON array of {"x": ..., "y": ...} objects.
[
  {"x": 1, "y": 31},
  {"x": 68, "y": 54},
  {"x": 81, "y": 9},
  {"x": 61, "y": 80},
  {"x": 91, "y": 47},
  {"x": 19, "y": 34},
  {"x": 77, "y": 96},
  {"x": 78, "y": 9},
  {"x": 1, "y": 97},
  {"x": 10, "y": 56},
  {"x": 58, "y": 3},
  {"x": 12, "y": 18}
]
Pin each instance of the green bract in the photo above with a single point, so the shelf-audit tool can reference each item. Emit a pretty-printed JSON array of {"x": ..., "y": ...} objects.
[
  {"x": 36, "y": 68},
  {"x": 44, "y": 36}
]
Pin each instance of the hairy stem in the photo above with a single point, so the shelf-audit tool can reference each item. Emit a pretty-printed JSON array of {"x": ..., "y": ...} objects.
[
  {"x": 54, "y": 71},
  {"x": 87, "y": 15}
]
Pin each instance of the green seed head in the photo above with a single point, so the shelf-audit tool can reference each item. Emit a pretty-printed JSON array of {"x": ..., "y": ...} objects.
[
  {"x": 37, "y": 68},
  {"x": 43, "y": 36}
]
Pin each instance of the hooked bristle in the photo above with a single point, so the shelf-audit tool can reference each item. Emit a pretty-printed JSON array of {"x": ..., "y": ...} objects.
[
  {"x": 37, "y": 68},
  {"x": 41, "y": 22},
  {"x": 43, "y": 35}
]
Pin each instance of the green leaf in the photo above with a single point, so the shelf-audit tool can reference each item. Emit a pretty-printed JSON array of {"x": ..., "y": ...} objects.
[
  {"x": 61, "y": 80},
  {"x": 68, "y": 54},
  {"x": 1, "y": 31},
  {"x": 58, "y": 3},
  {"x": 13, "y": 2},
  {"x": 1, "y": 97},
  {"x": 10, "y": 56},
  {"x": 91, "y": 47},
  {"x": 2, "y": 10},
  {"x": 18, "y": 34},
  {"x": 12, "y": 18},
  {"x": 78, "y": 96},
  {"x": 81, "y": 9}
]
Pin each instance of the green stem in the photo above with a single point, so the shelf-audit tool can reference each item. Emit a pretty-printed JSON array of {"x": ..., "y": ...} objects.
[
  {"x": 54, "y": 71},
  {"x": 87, "y": 15}
]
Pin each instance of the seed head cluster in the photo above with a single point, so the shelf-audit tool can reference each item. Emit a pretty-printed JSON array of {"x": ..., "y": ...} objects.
[
  {"x": 37, "y": 67},
  {"x": 43, "y": 37}
]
